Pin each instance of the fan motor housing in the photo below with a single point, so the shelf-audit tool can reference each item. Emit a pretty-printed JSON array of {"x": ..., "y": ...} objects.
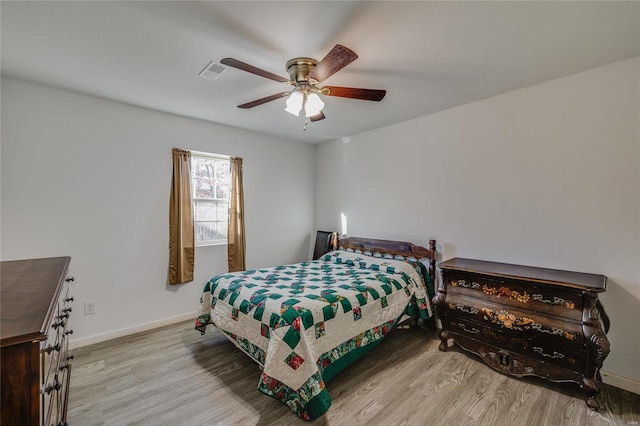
[{"x": 300, "y": 68}]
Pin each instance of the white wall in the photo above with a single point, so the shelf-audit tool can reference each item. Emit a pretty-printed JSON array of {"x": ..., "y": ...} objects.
[
  {"x": 546, "y": 176},
  {"x": 90, "y": 178}
]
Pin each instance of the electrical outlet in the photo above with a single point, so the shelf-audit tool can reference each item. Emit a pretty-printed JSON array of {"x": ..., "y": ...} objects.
[{"x": 89, "y": 308}]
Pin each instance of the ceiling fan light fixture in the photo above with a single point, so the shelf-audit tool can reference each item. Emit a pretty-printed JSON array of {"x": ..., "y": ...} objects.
[
  {"x": 313, "y": 105},
  {"x": 294, "y": 103},
  {"x": 305, "y": 75}
]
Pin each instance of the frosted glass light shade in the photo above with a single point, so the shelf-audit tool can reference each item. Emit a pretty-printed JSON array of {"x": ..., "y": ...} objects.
[
  {"x": 294, "y": 103},
  {"x": 313, "y": 105}
]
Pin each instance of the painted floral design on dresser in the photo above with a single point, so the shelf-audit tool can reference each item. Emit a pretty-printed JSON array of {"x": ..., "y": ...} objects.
[
  {"x": 506, "y": 292},
  {"x": 519, "y": 296},
  {"x": 511, "y": 321},
  {"x": 505, "y": 319}
]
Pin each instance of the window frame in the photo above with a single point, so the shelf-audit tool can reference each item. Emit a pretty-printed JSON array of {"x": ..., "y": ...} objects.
[{"x": 195, "y": 199}]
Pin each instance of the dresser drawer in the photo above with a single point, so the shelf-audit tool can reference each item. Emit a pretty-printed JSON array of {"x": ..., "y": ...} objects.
[
  {"x": 522, "y": 294},
  {"x": 539, "y": 349},
  {"x": 527, "y": 324},
  {"x": 514, "y": 363}
]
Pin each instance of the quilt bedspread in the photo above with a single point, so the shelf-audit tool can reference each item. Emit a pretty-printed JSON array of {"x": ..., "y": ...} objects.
[{"x": 305, "y": 322}]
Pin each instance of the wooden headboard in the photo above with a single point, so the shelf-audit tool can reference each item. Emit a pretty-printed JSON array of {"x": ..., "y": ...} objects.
[{"x": 393, "y": 248}]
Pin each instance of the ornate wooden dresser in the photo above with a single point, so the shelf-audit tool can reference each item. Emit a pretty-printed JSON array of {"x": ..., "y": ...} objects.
[
  {"x": 33, "y": 320},
  {"x": 524, "y": 320}
]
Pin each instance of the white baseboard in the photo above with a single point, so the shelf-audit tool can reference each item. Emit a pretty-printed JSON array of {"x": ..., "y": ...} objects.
[
  {"x": 621, "y": 382},
  {"x": 131, "y": 330}
]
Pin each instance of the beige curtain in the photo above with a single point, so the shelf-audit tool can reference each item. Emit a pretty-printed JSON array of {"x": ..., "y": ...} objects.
[
  {"x": 236, "y": 241},
  {"x": 181, "y": 237}
]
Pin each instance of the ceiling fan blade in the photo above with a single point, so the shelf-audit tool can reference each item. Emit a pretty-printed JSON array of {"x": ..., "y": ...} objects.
[
  {"x": 338, "y": 58},
  {"x": 319, "y": 116},
  {"x": 263, "y": 100},
  {"x": 355, "y": 93},
  {"x": 253, "y": 70}
]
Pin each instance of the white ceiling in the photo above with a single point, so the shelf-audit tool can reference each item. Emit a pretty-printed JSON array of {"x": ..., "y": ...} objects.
[{"x": 429, "y": 56}]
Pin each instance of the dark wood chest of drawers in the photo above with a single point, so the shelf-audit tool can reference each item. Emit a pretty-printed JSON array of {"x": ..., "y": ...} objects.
[
  {"x": 524, "y": 320},
  {"x": 35, "y": 362}
]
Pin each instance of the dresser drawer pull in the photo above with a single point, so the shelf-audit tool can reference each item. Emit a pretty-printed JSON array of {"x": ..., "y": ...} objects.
[
  {"x": 67, "y": 310},
  {"x": 463, "y": 283},
  {"x": 70, "y": 279},
  {"x": 68, "y": 332},
  {"x": 55, "y": 386},
  {"x": 556, "y": 301},
  {"x": 504, "y": 360},
  {"x": 463, "y": 308},
  {"x": 471, "y": 330},
  {"x": 569, "y": 335},
  {"x": 50, "y": 349},
  {"x": 65, "y": 366},
  {"x": 541, "y": 352},
  {"x": 69, "y": 299},
  {"x": 70, "y": 357},
  {"x": 59, "y": 324}
]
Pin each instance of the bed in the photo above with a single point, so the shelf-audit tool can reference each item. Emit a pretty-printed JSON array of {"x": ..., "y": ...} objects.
[{"x": 303, "y": 323}]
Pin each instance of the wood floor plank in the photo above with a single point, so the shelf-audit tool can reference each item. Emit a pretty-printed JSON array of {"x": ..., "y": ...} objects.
[{"x": 175, "y": 376}]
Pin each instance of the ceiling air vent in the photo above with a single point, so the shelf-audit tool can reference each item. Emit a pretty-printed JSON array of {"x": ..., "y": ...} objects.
[{"x": 211, "y": 71}]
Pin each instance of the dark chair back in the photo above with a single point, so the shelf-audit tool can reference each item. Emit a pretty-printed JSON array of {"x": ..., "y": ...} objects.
[{"x": 325, "y": 242}]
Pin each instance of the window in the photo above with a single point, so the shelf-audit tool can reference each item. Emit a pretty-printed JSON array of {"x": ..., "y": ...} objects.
[{"x": 210, "y": 179}]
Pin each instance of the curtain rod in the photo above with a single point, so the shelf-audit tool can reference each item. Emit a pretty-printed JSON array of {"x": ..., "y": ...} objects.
[{"x": 208, "y": 154}]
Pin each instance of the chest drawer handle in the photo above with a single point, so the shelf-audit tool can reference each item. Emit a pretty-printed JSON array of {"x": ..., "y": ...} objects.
[
  {"x": 69, "y": 299},
  {"x": 70, "y": 357},
  {"x": 59, "y": 324},
  {"x": 555, "y": 354},
  {"x": 70, "y": 279},
  {"x": 68, "y": 332},
  {"x": 505, "y": 360},
  {"x": 67, "y": 310},
  {"x": 50, "y": 349},
  {"x": 65, "y": 366},
  {"x": 55, "y": 386}
]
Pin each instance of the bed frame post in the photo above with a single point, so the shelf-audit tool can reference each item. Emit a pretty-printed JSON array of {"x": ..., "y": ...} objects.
[
  {"x": 432, "y": 261},
  {"x": 335, "y": 240}
]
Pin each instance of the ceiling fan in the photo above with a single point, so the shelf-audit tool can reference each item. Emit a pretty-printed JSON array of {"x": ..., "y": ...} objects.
[{"x": 305, "y": 74}]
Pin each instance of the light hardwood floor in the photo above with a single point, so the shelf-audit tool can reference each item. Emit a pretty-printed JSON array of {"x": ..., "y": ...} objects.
[{"x": 175, "y": 376}]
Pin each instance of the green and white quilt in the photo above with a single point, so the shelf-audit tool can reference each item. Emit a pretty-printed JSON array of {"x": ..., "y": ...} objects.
[{"x": 305, "y": 322}]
